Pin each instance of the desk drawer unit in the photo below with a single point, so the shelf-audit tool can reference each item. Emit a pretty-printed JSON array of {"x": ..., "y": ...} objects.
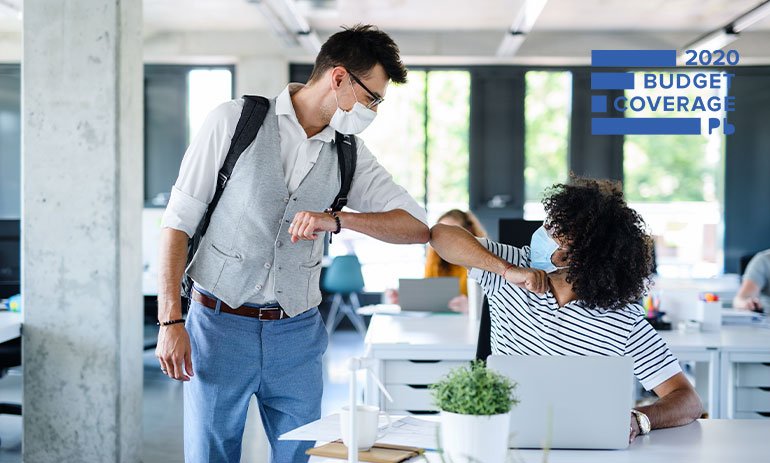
[
  {"x": 408, "y": 381},
  {"x": 752, "y": 375},
  {"x": 752, "y": 399},
  {"x": 418, "y": 371},
  {"x": 751, "y": 390},
  {"x": 410, "y": 398}
]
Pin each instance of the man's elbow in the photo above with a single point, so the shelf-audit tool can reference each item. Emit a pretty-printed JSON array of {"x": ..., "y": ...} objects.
[{"x": 422, "y": 234}]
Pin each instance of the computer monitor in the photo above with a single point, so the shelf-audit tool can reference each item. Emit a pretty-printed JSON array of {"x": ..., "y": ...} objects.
[
  {"x": 10, "y": 258},
  {"x": 517, "y": 232}
]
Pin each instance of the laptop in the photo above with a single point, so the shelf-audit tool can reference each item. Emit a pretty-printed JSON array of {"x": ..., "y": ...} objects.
[
  {"x": 427, "y": 294},
  {"x": 585, "y": 401}
]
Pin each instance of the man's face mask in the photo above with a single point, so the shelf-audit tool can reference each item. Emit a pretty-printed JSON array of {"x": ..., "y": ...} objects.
[
  {"x": 353, "y": 121},
  {"x": 541, "y": 249}
]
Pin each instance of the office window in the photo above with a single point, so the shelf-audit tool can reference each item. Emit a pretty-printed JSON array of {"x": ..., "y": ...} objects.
[
  {"x": 547, "y": 110},
  {"x": 420, "y": 136},
  {"x": 10, "y": 141},
  {"x": 177, "y": 100},
  {"x": 448, "y": 122},
  {"x": 206, "y": 89},
  {"x": 676, "y": 182}
]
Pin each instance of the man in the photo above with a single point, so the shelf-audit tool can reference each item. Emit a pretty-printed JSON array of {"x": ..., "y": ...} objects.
[
  {"x": 755, "y": 289},
  {"x": 253, "y": 324},
  {"x": 573, "y": 292}
]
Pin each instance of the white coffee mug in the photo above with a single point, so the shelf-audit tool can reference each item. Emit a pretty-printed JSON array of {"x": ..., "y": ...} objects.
[{"x": 367, "y": 420}]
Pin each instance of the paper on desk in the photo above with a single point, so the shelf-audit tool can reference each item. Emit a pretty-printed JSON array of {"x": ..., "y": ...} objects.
[
  {"x": 408, "y": 431},
  {"x": 413, "y": 432}
]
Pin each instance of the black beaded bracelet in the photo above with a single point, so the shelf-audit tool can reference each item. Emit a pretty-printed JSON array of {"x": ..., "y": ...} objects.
[
  {"x": 170, "y": 322},
  {"x": 336, "y": 219}
]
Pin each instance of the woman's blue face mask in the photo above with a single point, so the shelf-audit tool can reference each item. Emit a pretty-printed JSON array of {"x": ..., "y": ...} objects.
[{"x": 541, "y": 249}]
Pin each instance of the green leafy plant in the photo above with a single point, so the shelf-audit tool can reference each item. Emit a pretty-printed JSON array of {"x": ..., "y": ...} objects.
[{"x": 474, "y": 390}]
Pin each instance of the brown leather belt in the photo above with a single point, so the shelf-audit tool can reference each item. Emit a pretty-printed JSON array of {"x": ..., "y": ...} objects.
[{"x": 265, "y": 314}]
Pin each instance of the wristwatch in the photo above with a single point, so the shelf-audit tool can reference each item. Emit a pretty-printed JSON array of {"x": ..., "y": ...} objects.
[{"x": 642, "y": 421}]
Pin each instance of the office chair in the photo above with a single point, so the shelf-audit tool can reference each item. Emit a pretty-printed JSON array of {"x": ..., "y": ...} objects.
[
  {"x": 744, "y": 262},
  {"x": 344, "y": 278},
  {"x": 484, "y": 345},
  {"x": 10, "y": 356}
]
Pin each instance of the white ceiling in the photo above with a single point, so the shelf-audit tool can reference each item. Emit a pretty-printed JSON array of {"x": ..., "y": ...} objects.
[
  {"x": 597, "y": 15},
  {"x": 462, "y": 27}
]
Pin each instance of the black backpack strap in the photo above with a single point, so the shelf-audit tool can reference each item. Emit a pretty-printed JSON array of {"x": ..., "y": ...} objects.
[
  {"x": 346, "y": 156},
  {"x": 253, "y": 114}
]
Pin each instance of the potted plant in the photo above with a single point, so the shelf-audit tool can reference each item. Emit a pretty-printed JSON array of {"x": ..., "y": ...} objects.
[{"x": 475, "y": 405}]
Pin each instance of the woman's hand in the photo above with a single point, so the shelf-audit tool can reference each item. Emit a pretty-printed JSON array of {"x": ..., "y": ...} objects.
[
  {"x": 459, "y": 304},
  {"x": 531, "y": 279}
]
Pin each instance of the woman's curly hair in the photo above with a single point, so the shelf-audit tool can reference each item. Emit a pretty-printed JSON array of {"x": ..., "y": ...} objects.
[{"x": 609, "y": 250}]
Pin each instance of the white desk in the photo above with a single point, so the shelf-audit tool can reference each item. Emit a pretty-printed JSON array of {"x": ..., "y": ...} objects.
[
  {"x": 704, "y": 441},
  {"x": 411, "y": 353},
  {"x": 738, "y": 364},
  {"x": 10, "y": 325}
]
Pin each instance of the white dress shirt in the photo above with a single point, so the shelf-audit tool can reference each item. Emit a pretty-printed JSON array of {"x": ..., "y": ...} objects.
[{"x": 372, "y": 189}]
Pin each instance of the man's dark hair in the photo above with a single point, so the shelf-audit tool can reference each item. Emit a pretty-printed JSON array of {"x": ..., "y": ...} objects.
[
  {"x": 358, "y": 49},
  {"x": 609, "y": 251}
]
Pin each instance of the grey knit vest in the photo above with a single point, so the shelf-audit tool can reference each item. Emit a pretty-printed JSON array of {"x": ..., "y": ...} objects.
[{"x": 248, "y": 230}]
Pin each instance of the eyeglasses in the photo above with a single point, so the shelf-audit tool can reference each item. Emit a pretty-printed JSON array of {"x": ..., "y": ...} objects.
[{"x": 375, "y": 98}]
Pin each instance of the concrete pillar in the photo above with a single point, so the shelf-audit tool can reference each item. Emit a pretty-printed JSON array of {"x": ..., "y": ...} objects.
[
  {"x": 261, "y": 75},
  {"x": 82, "y": 171}
]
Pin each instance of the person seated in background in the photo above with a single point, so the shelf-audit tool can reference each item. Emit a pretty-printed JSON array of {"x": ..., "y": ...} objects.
[
  {"x": 573, "y": 291},
  {"x": 435, "y": 266},
  {"x": 755, "y": 289}
]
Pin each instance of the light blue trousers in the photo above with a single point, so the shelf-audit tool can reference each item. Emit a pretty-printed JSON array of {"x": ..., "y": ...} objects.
[{"x": 234, "y": 357}]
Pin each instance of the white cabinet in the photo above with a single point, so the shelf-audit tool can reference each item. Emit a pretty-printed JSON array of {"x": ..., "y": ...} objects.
[
  {"x": 746, "y": 384},
  {"x": 413, "y": 352}
]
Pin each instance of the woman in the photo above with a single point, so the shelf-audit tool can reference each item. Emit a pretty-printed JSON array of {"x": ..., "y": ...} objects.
[{"x": 573, "y": 291}]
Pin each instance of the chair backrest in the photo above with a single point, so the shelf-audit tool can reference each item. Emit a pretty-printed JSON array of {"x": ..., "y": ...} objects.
[
  {"x": 344, "y": 276},
  {"x": 484, "y": 344},
  {"x": 744, "y": 262}
]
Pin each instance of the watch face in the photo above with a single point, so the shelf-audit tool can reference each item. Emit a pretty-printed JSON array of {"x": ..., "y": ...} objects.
[
  {"x": 645, "y": 423},
  {"x": 642, "y": 421}
]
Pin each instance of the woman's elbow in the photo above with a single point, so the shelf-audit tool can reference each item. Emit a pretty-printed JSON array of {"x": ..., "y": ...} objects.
[
  {"x": 437, "y": 233},
  {"x": 697, "y": 405}
]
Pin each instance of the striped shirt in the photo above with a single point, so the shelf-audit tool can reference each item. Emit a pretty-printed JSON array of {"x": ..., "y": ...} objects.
[{"x": 527, "y": 323}]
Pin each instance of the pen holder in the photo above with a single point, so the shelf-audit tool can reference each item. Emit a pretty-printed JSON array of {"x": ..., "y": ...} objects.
[{"x": 710, "y": 314}]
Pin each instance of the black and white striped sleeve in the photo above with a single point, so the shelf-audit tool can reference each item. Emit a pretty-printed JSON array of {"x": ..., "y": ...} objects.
[
  {"x": 653, "y": 361},
  {"x": 489, "y": 281}
]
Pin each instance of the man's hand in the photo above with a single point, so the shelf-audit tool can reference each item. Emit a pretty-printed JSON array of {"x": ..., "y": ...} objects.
[
  {"x": 749, "y": 303},
  {"x": 635, "y": 431},
  {"x": 306, "y": 224},
  {"x": 174, "y": 351},
  {"x": 531, "y": 279}
]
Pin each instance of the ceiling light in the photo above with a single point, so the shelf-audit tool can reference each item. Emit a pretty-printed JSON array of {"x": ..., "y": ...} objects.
[
  {"x": 289, "y": 24},
  {"x": 275, "y": 23},
  {"x": 712, "y": 41},
  {"x": 521, "y": 25},
  {"x": 511, "y": 43},
  {"x": 752, "y": 16}
]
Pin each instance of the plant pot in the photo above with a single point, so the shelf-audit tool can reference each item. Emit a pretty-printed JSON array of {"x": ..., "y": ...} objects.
[{"x": 475, "y": 438}]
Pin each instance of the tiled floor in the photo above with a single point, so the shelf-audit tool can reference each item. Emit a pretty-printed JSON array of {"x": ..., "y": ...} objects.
[{"x": 162, "y": 407}]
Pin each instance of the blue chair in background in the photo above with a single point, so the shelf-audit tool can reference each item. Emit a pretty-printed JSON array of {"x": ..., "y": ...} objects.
[{"x": 344, "y": 278}]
